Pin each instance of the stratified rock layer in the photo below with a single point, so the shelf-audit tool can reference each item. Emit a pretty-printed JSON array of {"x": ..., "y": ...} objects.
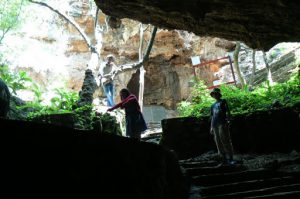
[{"x": 259, "y": 23}]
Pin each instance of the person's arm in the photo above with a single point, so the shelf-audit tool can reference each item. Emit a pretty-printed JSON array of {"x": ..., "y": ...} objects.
[
  {"x": 121, "y": 104},
  {"x": 116, "y": 106},
  {"x": 101, "y": 71},
  {"x": 130, "y": 98}
]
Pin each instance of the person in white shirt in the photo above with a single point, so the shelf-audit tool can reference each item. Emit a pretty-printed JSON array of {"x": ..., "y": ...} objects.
[{"x": 107, "y": 73}]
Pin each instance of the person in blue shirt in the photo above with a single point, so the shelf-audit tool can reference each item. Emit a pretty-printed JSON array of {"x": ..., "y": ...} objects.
[{"x": 220, "y": 115}]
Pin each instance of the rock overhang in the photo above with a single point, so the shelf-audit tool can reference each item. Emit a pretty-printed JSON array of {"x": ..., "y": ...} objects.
[{"x": 260, "y": 24}]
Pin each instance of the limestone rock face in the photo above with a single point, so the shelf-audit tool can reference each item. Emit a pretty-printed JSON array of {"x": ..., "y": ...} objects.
[
  {"x": 260, "y": 24},
  {"x": 169, "y": 69}
]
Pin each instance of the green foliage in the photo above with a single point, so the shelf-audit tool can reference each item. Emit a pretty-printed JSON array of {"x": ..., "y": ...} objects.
[
  {"x": 62, "y": 103},
  {"x": 242, "y": 101},
  {"x": 108, "y": 122},
  {"x": 15, "y": 81},
  {"x": 200, "y": 102},
  {"x": 38, "y": 110},
  {"x": 65, "y": 100},
  {"x": 38, "y": 92},
  {"x": 86, "y": 118},
  {"x": 9, "y": 15}
]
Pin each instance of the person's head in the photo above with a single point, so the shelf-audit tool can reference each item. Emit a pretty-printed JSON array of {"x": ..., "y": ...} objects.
[
  {"x": 216, "y": 93},
  {"x": 124, "y": 93},
  {"x": 110, "y": 58}
]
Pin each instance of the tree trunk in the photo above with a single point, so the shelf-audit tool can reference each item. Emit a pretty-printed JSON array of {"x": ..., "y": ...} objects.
[
  {"x": 134, "y": 66},
  {"x": 269, "y": 77},
  {"x": 142, "y": 70},
  {"x": 253, "y": 68},
  {"x": 236, "y": 63}
]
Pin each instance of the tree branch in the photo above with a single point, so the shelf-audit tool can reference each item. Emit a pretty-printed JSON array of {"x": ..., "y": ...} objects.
[
  {"x": 128, "y": 67},
  {"x": 96, "y": 17},
  {"x": 13, "y": 23},
  {"x": 146, "y": 28},
  {"x": 253, "y": 68},
  {"x": 68, "y": 19},
  {"x": 236, "y": 63},
  {"x": 4, "y": 33}
]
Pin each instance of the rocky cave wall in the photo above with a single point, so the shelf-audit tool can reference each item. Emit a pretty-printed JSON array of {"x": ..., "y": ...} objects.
[
  {"x": 259, "y": 23},
  {"x": 169, "y": 68}
]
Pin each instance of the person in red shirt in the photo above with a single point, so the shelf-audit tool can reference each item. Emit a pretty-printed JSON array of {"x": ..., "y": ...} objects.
[{"x": 135, "y": 123}]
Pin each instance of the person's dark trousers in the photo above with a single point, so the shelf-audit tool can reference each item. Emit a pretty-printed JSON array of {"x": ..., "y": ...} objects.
[{"x": 109, "y": 92}]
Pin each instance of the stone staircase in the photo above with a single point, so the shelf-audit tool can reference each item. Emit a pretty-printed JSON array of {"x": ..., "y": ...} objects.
[{"x": 209, "y": 180}]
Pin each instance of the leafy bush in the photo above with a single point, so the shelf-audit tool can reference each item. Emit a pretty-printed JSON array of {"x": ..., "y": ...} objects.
[
  {"x": 15, "y": 81},
  {"x": 200, "y": 103},
  {"x": 243, "y": 101},
  {"x": 65, "y": 100},
  {"x": 10, "y": 11},
  {"x": 109, "y": 124}
]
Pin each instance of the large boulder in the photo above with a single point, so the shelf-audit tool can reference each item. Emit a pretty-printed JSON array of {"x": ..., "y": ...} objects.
[{"x": 46, "y": 161}]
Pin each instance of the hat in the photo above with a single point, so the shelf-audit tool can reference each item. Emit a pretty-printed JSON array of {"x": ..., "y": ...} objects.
[
  {"x": 110, "y": 55},
  {"x": 215, "y": 90}
]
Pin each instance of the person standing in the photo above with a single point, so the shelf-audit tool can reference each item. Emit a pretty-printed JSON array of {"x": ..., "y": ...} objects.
[
  {"x": 135, "y": 123},
  {"x": 220, "y": 115},
  {"x": 107, "y": 73}
]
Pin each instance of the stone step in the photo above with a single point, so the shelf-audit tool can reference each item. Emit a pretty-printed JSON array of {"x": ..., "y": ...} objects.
[
  {"x": 224, "y": 178},
  {"x": 248, "y": 185},
  {"x": 199, "y": 164},
  {"x": 257, "y": 192},
  {"x": 280, "y": 195},
  {"x": 213, "y": 170}
]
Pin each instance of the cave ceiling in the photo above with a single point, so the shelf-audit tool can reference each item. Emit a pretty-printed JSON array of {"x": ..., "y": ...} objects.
[{"x": 259, "y": 23}]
